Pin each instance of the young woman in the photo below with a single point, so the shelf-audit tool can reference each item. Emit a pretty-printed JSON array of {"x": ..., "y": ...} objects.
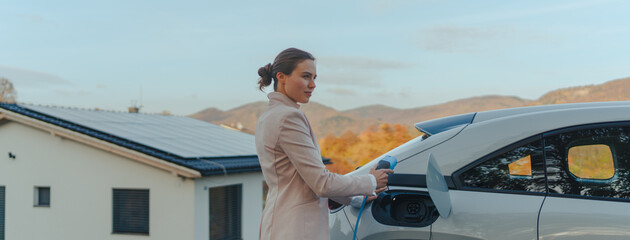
[{"x": 290, "y": 158}]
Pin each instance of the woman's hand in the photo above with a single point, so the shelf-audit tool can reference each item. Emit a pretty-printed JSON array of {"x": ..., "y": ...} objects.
[
  {"x": 372, "y": 198},
  {"x": 381, "y": 176}
]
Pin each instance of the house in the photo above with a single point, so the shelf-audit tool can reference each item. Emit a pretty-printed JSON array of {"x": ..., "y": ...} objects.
[{"x": 69, "y": 173}]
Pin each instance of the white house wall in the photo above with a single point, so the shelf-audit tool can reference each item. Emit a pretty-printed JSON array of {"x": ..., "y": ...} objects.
[
  {"x": 81, "y": 179},
  {"x": 251, "y": 209}
]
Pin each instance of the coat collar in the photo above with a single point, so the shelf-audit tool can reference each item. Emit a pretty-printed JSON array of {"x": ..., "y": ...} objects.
[{"x": 279, "y": 98}]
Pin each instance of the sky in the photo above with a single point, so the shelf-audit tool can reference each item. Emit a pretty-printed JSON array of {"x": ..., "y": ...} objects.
[{"x": 186, "y": 56}]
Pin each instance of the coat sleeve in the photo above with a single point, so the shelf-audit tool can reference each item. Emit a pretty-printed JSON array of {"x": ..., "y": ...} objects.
[{"x": 296, "y": 142}]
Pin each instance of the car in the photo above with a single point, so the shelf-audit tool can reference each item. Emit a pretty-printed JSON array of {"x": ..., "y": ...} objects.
[{"x": 542, "y": 172}]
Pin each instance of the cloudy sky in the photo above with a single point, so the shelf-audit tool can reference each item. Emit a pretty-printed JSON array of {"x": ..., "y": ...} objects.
[{"x": 185, "y": 56}]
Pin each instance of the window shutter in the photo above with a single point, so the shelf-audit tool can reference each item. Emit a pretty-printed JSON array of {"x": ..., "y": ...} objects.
[
  {"x": 43, "y": 196},
  {"x": 225, "y": 212},
  {"x": 2, "y": 212},
  {"x": 234, "y": 205},
  {"x": 131, "y": 211}
]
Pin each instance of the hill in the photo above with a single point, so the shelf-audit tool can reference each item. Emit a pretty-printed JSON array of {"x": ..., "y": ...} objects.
[
  {"x": 242, "y": 118},
  {"x": 414, "y": 115},
  {"x": 616, "y": 90},
  {"x": 326, "y": 120}
]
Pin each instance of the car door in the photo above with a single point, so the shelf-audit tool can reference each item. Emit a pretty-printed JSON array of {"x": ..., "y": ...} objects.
[
  {"x": 588, "y": 182},
  {"x": 497, "y": 196}
]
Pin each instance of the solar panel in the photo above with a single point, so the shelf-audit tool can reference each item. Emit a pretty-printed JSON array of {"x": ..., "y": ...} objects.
[{"x": 182, "y": 136}]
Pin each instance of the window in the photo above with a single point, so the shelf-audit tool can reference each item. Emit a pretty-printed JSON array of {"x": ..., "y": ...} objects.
[
  {"x": 225, "y": 212},
  {"x": 518, "y": 167},
  {"x": 593, "y": 161},
  {"x": 521, "y": 167},
  {"x": 42, "y": 197},
  {"x": 590, "y": 161},
  {"x": 131, "y": 211},
  {"x": 2, "y": 192}
]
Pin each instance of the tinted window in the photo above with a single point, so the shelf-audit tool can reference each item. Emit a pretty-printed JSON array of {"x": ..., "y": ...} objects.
[
  {"x": 589, "y": 161},
  {"x": 42, "y": 196},
  {"x": 593, "y": 161},
  {"x": 131, "y": 211},
  {"x": 225, "y": 212},
  {"x": 516, "y": 168},
  {"x": 521, "y": 167}
]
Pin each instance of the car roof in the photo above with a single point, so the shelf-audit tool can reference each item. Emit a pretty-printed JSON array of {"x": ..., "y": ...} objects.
[
  {"x": 493, "y": 130},
  {"x": 435, "y": 126},
  {"x": 493, "y": 114},
  {"x": 461, "y": 139}
]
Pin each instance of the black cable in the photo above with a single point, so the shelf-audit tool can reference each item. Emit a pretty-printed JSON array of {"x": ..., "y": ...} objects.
[{"x": 347, "y": 219}]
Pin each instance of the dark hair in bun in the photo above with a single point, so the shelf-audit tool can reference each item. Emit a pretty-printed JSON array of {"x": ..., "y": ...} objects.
[
  {"x": 265, "y": 76},
  {"x": 285, "y": 62}
]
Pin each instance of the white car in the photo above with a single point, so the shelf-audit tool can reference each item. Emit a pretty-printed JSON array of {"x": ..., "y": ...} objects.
[{"x": 542, "y": 172}]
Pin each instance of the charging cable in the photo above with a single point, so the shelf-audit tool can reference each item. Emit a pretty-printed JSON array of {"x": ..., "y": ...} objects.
[
  {"x": 356, "y": 226},
  {"x": 388, "y": 162}
]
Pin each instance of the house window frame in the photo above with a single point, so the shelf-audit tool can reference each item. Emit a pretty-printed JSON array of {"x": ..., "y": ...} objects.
[
  {"x": 238, "y": 191},
  {"x": 37, "y": 196},
  {"x": 116, "y": 216}
]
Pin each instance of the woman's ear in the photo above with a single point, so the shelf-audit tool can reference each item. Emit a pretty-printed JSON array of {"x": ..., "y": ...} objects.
[{"x": 282, "y": 78}]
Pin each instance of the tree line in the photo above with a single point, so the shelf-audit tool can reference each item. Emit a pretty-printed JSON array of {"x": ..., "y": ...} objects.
[
  {"x": 352, "y": 150},
  {"x": 7, "y": 91}
]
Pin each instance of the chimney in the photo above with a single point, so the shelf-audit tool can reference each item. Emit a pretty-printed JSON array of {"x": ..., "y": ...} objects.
[{"x": 134, "y": 109}]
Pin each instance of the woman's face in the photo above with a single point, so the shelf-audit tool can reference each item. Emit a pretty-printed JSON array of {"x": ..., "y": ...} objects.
[{"x": 300, "y": 84}]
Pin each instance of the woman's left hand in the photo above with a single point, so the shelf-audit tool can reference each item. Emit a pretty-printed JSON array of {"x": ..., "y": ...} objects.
[{"x": 372, "y": 198}]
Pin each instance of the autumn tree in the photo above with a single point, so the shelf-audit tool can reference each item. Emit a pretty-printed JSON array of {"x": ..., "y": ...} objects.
[
  {"x": 339, "y": 149},
  {"x": 7, "y": 92},
  {"x": 349, "y": 151}
]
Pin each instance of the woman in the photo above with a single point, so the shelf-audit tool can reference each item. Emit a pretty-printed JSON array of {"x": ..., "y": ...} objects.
[{"x": 299, "y": 184}]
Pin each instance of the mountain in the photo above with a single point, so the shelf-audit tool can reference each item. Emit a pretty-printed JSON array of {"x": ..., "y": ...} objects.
[
  {"x": 414, "y": 115},
  {"x": 374, "y": 111},
  {"x": 209, "y": 115},
  {"x": 616, "y": 90},
  {"x": 242, "y": 118},
  {"x": 326, "y": 120}
]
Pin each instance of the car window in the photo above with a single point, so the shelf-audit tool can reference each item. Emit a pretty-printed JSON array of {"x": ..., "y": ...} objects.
[
  {"x": 589, "y": 161},
  {"x": 521, "y": 167},
  {"x": 593, "y": 161},
  {"x": 515, "y": 168}
]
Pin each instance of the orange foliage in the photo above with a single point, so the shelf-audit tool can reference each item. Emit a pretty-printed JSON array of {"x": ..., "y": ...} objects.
[{"x": 349, "y": 151}]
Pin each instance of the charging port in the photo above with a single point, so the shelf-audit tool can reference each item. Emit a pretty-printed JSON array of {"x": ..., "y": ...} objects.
[{"x": 403, "y": 208}]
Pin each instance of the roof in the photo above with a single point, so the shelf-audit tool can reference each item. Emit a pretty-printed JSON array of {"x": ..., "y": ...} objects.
[
  {"x": 194, "y": 144},
  {"x": 183, "y": 137}
]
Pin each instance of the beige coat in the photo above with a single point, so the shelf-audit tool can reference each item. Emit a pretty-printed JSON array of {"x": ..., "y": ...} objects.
[{"x": 299, "y": 184}]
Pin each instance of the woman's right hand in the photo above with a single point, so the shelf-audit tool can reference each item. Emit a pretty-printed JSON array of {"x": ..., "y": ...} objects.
[{"x": 381, "y": 176}]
